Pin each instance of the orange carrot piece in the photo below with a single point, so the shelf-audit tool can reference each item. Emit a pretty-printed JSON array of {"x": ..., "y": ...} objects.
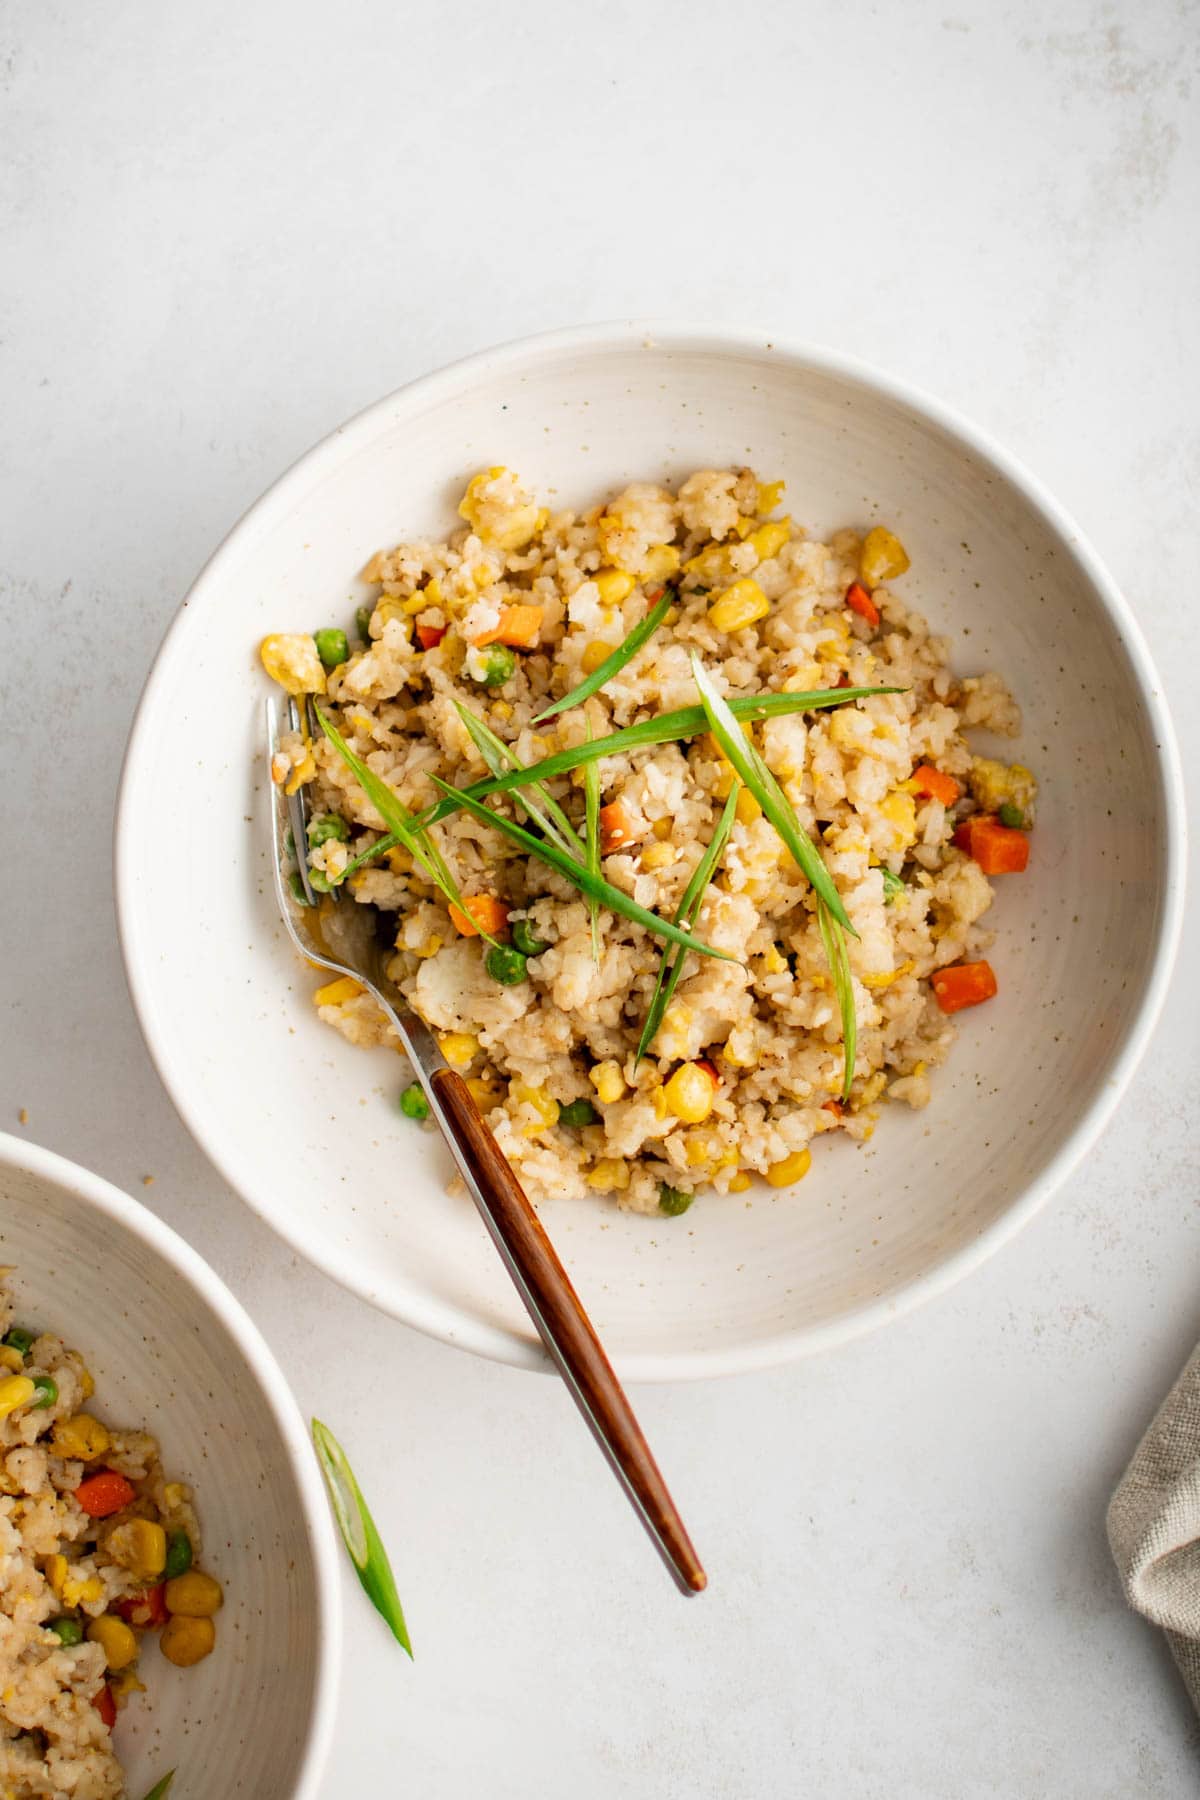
[
  {"x": 963, "y": 984},
  {"x": 859, "y": 601},
  {"x": 998, "y": 849},
  {"x": 616, "y": 827},
  {"x": 106, "y": 1706},
  {"x": 935, "y": 784},
  {"x": 484, "y": 913},
  {"x": 103, "y": 1493},
  {"x": 429, "y": 635},
  {"x": 145, "y": 1610},
  {"x": 710, "y": 1069},
  {"x": 518, "y": 627},
  {"x": 833, "y": 1106}
]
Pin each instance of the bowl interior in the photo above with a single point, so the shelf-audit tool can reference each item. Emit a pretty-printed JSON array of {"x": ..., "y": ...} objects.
[
  {"x": 245, "y": 1721},
  {"x": 307, "y": 1128}
]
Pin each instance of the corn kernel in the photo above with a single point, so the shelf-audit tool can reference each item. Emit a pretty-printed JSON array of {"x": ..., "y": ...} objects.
[
  {"x": 883, "y": 556},
  {"x": 662, "y": 828},
  {"x": 803, "y": 678},
  {"x": 430, "y": 947},
  {"x": 742, "y": 527},
  {"x": 739, "y": 606},
  {"x": 660, "y": 1103},
  {"x": 335, "y": 992},
  {"x": 291, "y": 659},
  {"x": 769, "y": 539},
  {"x": 662, "y": 561},
  {"x": 12, "y": 1359},
  {"x": 658, "y": 856},
  {"x": 740, "y": 1182},
  {"x": 82, "y": 1593},
  {"x": 614, "y": 586},
  {"x": 186, "y": 1641},
  {"x": 55, "y": 1570},
  {"x": 608, "y": 1082},
  {"x": 886, "y": 979},
  {"x": 501, "y": 709},
  {"x": 609, "y": 1175},
  {"x": 595, "y": 654},
  {"x": 140, "y": 1546},
  {"x": 458, "y": 1047},
  {"x": 774, "y": 961},
  {"x": 87, "y": 1385},
  {"x": 115, "y": 1639},
  {"x": 399, "y": 860},
  {"x": 793, "y": 1168},
  {"x": 302, "y": 771},
  {"x": 711, "y": 565},
  {"x": 673, "y": 1032},
  {"x": 900, "y": 810},
  {"x": 82, "y": 1438},
  {"x": 746, "y": 807},
  {"x": 195, "y": 1595},
  {"x": 770, "y": 493},
  {"x": 699, "y": 1148},
  {"x": 543, "y": 1105},
  {"x": 690, "y": 1093},
  {"x": 482, "y": 1092}
]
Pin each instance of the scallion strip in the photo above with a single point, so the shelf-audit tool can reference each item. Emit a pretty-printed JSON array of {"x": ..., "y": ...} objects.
[
  {"x": 834, "y": 939},
  {"x": 580, "y": 877},
  {"x": 591, "y": 798},
  {"x": 624, "y": 652},
  {"x": 686, "y": 722},
  {"x": 161, "y": 1788},
  {"x": 892, "y": 886},
  {"x": 767, "y": 791},
  {"x": 536, "y": 799},
  {"x": 687, "y": 912},
  {"x": 398, "y": 820},
  {"x": 359, "y": 1534}
]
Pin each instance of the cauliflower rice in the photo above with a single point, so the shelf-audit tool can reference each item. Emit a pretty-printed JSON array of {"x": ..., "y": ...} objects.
[
  {"x": 819, "y": 615},
  {"x": 59, "y": 1573}
]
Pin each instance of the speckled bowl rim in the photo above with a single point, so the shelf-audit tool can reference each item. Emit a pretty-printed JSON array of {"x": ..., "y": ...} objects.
[
  {"x": 455, "y": 1325},
  {"x": 128, "y": 1216}
]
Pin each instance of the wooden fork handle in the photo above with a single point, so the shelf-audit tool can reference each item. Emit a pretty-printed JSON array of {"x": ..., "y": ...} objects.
[{"x": 565, "y": 1328}]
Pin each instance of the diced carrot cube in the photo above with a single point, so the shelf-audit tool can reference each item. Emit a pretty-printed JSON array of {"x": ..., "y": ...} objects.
[
  {"x": 106, "y": 1706},
  {"x": 616, "y": 827},
  {"x": 145, "y": 1610},
  {"x": 519, "y": 627},
  {"x": 484, "y": 913},
  {"x": 963, "y": 984},
  {"x": 104, "y": 1493},
  {"x": 430, "y": 635},
  {"x": 710, "y": 1069},
  {"x": 998, "y": 849},
  {"x": 935, "y": 784},
  {"x": 860, "y": 602},
  {"x": 833, "y": 1106}
]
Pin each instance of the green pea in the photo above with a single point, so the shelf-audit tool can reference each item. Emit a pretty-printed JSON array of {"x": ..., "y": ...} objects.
[
  {"x": 332, "y": 646},
  {"x": 505, "y": 965},
  {"x": 526, "y": 939},
  {"x": 673, "y": 1201},
  {"x": 19, "y": 1339},
  {"x": 47, "y": 1389},
  {"x": 68, "y": 1631},
  {"x": 1012, "y": 816},
  {"x": 297, "y": 887},
  {"x": 179, "y": 1555},
  {"x": 892, "y": 885},
  {"x": 362, "y": 623},
  {"x": 498, "y": 665},
  {"x": 413, "y": 1103},
  {"x": 326, "y": 826},
  {"x": 577, "y": 1113}
]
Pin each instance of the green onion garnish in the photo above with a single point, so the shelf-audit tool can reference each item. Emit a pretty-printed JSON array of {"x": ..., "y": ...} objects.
[
  {"x": 398, "y": 819},
  {"x": 671, "y": 968},
  {"x": 591, "y": 798},
  {"x": 624, "y": 652},
  {"x": 579, "y": 876},
  {"x": 687, "y": 722},
  {"x": 160, "y": 1789},
  {"x": 892, "y": 885},
  {"x": 358, "y": 1531},
  {"x": 767, "y": 791},
  {"x": 834, "y": 939},
  {"x": 537, "y": 801}
]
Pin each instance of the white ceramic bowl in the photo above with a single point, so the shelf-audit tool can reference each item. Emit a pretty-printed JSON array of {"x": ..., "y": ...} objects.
[
  {"x": 306, "y": 1128},
  {"x": 172, "y": 1350}
]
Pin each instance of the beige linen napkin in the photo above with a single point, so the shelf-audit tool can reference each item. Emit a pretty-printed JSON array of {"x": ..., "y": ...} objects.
[{"x": 1154, "y": 1524}]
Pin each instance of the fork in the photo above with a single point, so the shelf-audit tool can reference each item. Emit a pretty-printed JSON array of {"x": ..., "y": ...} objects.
[{"x": 342, "y": 937}]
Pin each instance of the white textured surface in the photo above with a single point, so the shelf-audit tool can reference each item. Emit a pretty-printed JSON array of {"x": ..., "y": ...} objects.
[{"x": 230, "y": 226}]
